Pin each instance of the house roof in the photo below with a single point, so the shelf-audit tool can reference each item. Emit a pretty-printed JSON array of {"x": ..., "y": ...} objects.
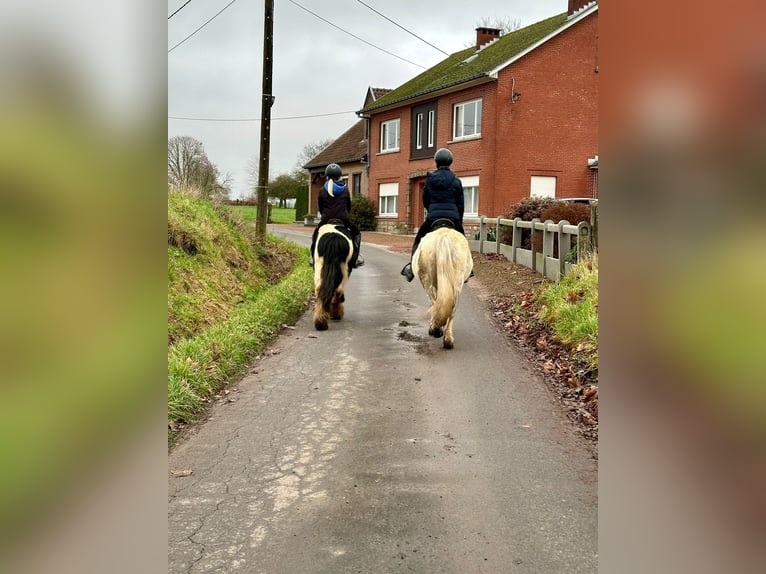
[
  {"x": 374, "y": 94},
  {"x": 350, "y": 147},
  {"x": 472, "y": 65}
]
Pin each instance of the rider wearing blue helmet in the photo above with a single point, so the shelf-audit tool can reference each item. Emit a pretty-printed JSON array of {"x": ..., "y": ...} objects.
[{"x": 335, "y": 203}]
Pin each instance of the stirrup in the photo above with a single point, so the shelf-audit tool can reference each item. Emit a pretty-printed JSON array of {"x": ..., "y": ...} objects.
[
  {"x": 407, "y": 272},
  {"x": 359, "y": 261}
]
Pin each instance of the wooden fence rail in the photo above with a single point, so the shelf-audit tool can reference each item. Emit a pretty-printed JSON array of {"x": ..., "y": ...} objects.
[{"x": 568, "y": 242}]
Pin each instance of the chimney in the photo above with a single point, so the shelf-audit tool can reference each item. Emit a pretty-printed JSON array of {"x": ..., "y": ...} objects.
[
  {"x": 484, "y": 35},
  {"x": 575, "y": 5}
]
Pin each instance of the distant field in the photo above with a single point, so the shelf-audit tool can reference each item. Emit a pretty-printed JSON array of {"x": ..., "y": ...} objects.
[{"x": 250, "y": 212}]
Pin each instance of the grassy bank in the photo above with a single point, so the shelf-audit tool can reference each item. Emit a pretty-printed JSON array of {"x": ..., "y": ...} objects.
[
  {"x": 228, "y": 295},
  {"x": 570, "y": 309}
]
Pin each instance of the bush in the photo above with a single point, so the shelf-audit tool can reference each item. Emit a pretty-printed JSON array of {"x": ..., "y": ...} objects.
[
  {"x": 527, "y": 209},
  {"x": 363, "y": 213},
  {"x": 301, "y": 203},
  {"x": 574, "y": 213}
]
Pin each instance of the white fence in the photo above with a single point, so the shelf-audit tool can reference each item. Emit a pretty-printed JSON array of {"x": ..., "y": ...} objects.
[{"x": 569, "y": 242}]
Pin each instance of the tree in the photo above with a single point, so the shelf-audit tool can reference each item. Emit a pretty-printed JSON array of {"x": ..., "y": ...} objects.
[
  {"x": 309, "y": 152},
  {"x": 284, "y": 186},
  {"x": 190, "y": 170}
]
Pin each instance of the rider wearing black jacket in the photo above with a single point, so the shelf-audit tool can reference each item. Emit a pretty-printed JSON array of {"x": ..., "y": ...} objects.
[
  {"x": 334, "y": 202},
  {"x": 443, "y": 198}
]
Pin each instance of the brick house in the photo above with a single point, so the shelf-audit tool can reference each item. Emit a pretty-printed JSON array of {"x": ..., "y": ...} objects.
[
  {"x": 519, "y": 113},
  {"x": 349, "y": 151}
]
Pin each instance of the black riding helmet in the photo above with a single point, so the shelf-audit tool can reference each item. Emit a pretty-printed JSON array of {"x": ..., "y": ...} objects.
[
  {"x": 333, "y": 171},
  {"x": 443, "y": 157}
]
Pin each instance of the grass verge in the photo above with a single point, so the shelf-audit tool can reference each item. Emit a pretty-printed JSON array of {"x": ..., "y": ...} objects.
[
  {"x": 202, "y": 364},
  {"x": 570, "y": 309},
  {"x": 249, "y": 213}
]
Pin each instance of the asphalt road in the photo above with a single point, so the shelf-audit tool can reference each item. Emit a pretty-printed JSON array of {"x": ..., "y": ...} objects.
[{"x": 370, "y": 448}]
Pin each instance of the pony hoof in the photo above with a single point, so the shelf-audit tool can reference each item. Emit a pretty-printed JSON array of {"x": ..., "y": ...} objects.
[
  {"x": 436, "y": 332},
  {"x": 320, "y": 326},
  {"x": 449, "y": 344}
]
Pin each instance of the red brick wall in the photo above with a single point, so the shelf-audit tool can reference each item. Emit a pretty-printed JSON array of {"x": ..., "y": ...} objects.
[{"x": 551, "y": 130}]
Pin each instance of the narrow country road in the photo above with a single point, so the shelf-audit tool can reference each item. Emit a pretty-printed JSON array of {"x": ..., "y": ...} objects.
[{"x": 369, "y": 448}]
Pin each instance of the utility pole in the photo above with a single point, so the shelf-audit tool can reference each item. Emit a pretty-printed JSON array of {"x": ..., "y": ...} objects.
[{"x": 267, "y": 100}]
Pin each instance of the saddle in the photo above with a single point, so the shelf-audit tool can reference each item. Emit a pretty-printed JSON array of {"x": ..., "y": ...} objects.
[
  {"x": 340, "y": 226},
  {"x": 442, "y": 222}
]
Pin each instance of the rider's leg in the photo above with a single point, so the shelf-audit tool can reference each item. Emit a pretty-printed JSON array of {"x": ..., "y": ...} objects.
[
  {"x": 407, "y": 269},
  {"x": 313, "y": 245}
]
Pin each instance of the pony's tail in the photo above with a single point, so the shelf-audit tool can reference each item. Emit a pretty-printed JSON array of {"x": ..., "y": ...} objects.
[
  {"x": 333, "y": 248},
  {"x": 449, "y": 284}
]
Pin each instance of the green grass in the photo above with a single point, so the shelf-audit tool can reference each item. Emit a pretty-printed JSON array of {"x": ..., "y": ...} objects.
[
  {"x": 228, "y": 295},
  {"x": 201, "y": 365},
  {"x": 570, "y": 308},
  {"x": 249, "y": 213}
]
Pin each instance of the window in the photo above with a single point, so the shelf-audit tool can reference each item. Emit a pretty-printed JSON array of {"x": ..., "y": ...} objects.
[
  {"x": 423, "y": 132},
  {"x": 431, "y": 127},
  {"x": 419, "y": 132},
  {"x": 357, "y": 184},
  {"x": 389, "y": 136},
  {"x": 542, "y": 186},
  {"x": 389, "y": 199},
  {"x": 467, "y": 120},
  {"x": 471, "y": 195}
]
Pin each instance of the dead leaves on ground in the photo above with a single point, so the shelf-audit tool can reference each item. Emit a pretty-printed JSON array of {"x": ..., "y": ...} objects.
[{"x": 576, "y": 386}]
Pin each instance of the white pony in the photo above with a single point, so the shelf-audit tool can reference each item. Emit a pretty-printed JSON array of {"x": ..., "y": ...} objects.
[{"x": 442, "y": 263}]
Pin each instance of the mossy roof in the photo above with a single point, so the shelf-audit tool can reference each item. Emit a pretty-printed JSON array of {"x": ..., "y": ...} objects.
[{"x": 454, "y": 70}]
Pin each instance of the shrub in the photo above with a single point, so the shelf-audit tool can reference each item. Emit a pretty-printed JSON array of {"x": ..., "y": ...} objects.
[
  {"x": 301, "y": 203},
  {"x": 363, "y": 213},
  {"x": 574, "y": 213},
  {"x": 527, "y": 209}
]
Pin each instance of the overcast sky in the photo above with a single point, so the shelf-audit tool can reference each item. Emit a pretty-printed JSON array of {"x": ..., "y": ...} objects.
[{"x": 318, "y": 69}]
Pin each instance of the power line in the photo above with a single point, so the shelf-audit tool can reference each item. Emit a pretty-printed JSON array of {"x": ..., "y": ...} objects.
[
  {"x": 203, "y": 25},
  {"x": 257, "y": 119},
  {"x": 177, "y": 11},
  {"x": 354, "y": 36},
  {"x": 403, "y": 28}
]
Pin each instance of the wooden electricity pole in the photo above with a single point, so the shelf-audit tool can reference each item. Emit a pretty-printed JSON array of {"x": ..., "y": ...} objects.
[{"x": 267, "y": 100}]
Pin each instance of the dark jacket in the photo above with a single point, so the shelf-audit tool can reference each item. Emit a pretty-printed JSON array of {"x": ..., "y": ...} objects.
[
  {"x": 443, "y": 195},
  {"x": 336, "y": 205}
]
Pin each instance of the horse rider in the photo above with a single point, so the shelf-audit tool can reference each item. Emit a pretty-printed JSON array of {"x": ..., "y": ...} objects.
[
  {"x": 443, "y": 198},
  {"x": 335, "y": 203}
]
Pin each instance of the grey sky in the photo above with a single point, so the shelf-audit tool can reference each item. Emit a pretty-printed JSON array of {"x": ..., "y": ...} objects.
[{"x": 317, "y": 68}]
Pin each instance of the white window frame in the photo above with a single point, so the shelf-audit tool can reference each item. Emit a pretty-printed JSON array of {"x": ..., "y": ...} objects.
[
  {"x": 471, "y": 187},
  {"x": 418, "y": 131},
  {"x": 458, "y": 127},
  {"x": 386, "y": 193},
  {"x": 386, "y": 145},
  {"x": 431, "y": 122},
  {"x": 542, "y": 186}
]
